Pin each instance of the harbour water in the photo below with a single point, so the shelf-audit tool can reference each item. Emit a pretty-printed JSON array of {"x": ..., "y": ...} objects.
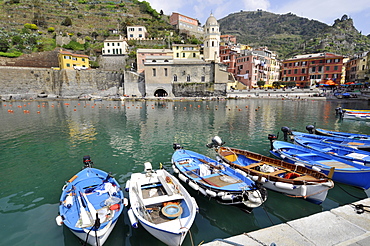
[{"x": 42, "y": 145}]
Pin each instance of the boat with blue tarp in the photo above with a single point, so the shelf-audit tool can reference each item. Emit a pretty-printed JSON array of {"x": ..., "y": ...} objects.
[
  {"x": 324, "y": 132},
  {"x": 343, "y": 171},
  {"x": 215, "y": 180},
  {"x": 351, "y": 154},
  {"x": 90, "y": 204},
  {"x": 342, "y": 141}
]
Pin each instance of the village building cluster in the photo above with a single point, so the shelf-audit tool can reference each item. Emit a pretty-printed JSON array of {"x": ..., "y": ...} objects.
[{"x": 221, "y": 60}]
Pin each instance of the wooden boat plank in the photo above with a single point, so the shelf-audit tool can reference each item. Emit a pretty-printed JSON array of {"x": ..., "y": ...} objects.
[{"x": 219, "y": 182}]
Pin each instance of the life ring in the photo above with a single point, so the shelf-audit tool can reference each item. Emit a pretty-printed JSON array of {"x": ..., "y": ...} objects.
[{"x": 291, "y": 175}]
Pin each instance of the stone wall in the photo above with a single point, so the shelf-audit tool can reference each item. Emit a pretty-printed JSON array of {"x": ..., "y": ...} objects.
[
  {"x": 28, "y": 82},
  {"x": 198, "y": 89},
  {"x": 112, "y": 63}
]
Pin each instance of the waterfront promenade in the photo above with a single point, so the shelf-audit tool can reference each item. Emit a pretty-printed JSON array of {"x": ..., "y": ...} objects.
[{"x": 342, "y": 226}]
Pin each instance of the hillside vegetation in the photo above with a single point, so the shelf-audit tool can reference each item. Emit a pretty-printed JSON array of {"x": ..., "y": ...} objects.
[
  {"x": 28, "y": 26},
  {"x": 289, "y": 34},
  {"x": 32, "y": 25}
]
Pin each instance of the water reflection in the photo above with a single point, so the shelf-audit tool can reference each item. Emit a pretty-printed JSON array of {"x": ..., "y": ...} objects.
[{"x": 42, "y": 149}]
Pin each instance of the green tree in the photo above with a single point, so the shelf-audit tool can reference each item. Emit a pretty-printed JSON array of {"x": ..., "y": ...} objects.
[
  {"x": 260, "y": 83},
  {"x": 4, "y": 45},
  {"x": 67, "y": 22}
]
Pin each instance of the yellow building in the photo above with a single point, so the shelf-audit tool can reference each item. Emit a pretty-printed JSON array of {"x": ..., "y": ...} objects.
[
  {"x": 67, "y": 60},
  {"x": 185, "y": 51}
]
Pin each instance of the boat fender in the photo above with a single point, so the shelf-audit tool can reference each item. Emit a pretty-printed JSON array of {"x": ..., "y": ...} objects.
[
  {"x": 69, "y": 201},
  {"x": 328, "y": 184},
  {"x": 285, "y": 186},
  {"x": 299, "y": 164},
  {"x": 316, "y": 168},
  {"x": 201, "y": 190},
  {"x": 175, "y": 169},
  {"x": 133, "y": 220},
  {"x": 195, "y": 204},
  {"x": 183, "y": 178},
  {"x": 253, "y": 199},
  {"x": 254, "y": 178},
  {"x": 227, "y": 197},
  {"x": 127, "y": 187},
  {"x": 193, "y": 185},
  {"x": 282, "y": 156},
  {"x": 125, "y": 202},
  {"x": 59, "y": 220},
  {"x": 211, "y": 193},
  {"x": 220, "y": 194},
  {"x": 304, "y": 190},
  {"x": 241, "y": 172},
  {"x": 256, "y": 194},
  {"x": 263, "y": 179}
]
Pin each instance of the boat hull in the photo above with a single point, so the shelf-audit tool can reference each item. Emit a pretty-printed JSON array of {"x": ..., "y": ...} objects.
[
  {"x": 86, "y": 196},
  {"x": 152, "y": 192},
  {"x": 345, "y": 172},
  {"x": 324, "y": 132},
  {"x": 92, "y": 239},
  {"x": 284, "y": 177},
  {"x": 217, "y": 181},
  {"x": 350, "y": 154}
]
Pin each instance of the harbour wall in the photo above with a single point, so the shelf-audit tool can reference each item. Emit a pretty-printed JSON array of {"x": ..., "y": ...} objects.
[
  {"x": 31, "y": 82},
  {"x": 28, "y": 82}
]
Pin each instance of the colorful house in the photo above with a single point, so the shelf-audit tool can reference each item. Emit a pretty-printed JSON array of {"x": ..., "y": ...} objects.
[
  {"x": 67, "y": 60},
  {"x": 136, "y": 32},
  {"x": 312, "y": 69},
  {"x": 185, "y": 51}
]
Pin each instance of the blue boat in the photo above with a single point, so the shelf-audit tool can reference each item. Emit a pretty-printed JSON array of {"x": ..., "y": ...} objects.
[
  {"x": 324, "y": 132},
  {"x": 351, "y": 154},
  {"x": 340, "y": 170},
  {"x": 90, "y": 204},
  {"x": 217, "y": 181},
  {"x": 342, "y": 141}
]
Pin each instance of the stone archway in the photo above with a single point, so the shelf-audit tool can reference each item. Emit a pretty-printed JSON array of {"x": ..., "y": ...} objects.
[{"x": 160, "y": 93}]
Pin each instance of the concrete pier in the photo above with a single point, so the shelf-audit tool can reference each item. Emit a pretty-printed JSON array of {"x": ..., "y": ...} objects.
[{"x": 346, "y": 225}]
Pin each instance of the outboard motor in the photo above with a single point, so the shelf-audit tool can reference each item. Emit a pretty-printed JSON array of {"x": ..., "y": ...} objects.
[
  {"x": 176, "y": 146},
  {"x": 286, "y": 131},
  {"x": 272, "y": 138},
  {"x": 216, "y": 142},
  {"x": 338, "y": 110},
  {"x": 87, "y": 162},
  {"x": 310, "y": 129}
]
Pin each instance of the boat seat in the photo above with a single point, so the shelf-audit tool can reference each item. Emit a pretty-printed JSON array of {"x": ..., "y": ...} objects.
[
  {"x": 276, "y": 172},
  {"x": 254, "y": 165},
  {"x": 161, "y": 199},
  {"x": 305, "y": 177},
  {"x": 165, "y": 186}
]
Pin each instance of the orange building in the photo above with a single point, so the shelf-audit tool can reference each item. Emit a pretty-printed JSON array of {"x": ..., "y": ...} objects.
[{"x": 312, "y": 69}]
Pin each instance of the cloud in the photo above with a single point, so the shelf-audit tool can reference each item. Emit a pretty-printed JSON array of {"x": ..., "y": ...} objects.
[
  {"x": 256, "y": 4},
  {"x": 326, "y": 11}
]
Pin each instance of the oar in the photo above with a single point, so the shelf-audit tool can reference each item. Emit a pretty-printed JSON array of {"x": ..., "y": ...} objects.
[
  {"x": 85, "y": 217},
  {"x": 89, "y": 205}
]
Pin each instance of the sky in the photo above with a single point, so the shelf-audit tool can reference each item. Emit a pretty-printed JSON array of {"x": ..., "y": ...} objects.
[{"x": 325, "y": 11}]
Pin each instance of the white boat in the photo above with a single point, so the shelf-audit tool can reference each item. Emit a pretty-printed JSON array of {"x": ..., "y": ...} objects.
[
  {"x": 161, "y": 205},
  {"x": 90, "y": 204}
]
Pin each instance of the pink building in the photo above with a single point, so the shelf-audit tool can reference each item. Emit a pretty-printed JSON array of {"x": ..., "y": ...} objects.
[{"x": 142, "y": 54}]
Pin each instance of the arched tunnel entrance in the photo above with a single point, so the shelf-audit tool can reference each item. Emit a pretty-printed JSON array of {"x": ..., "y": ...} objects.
[{"x": 160, "y": 93}]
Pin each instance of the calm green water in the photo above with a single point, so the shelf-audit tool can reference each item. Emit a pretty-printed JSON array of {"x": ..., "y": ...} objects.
[{"x": 43, "y": 147}]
